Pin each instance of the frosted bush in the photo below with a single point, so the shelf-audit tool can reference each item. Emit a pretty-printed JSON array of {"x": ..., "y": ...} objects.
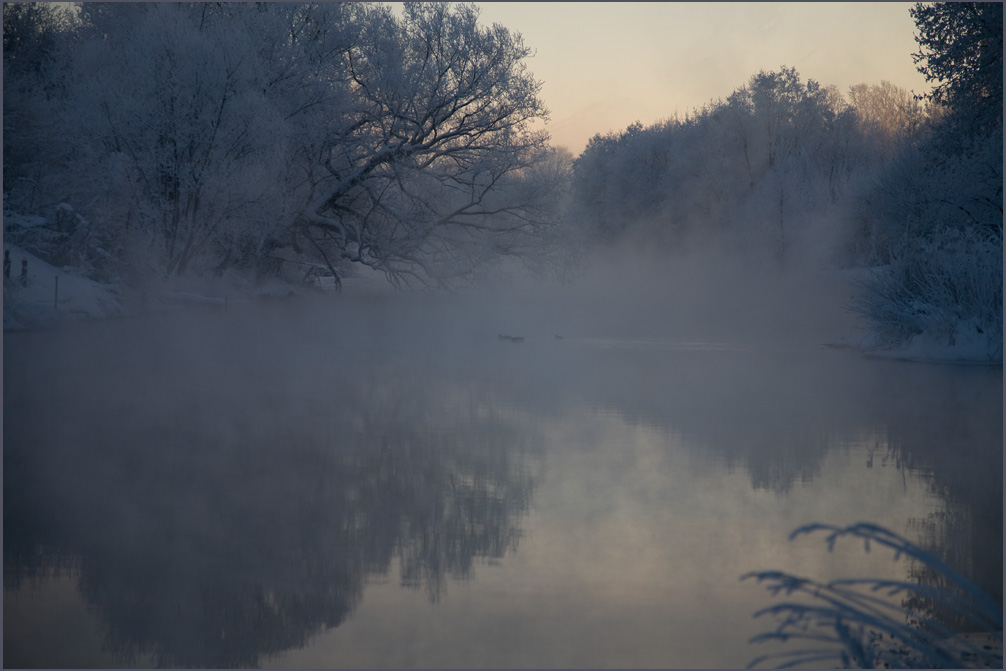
[{"x": 946, "y": 288}]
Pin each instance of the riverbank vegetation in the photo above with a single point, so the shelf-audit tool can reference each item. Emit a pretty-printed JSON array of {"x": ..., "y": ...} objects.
[
  {"x": 278, "y": 139},
  {"x": 160, "y": 147}
]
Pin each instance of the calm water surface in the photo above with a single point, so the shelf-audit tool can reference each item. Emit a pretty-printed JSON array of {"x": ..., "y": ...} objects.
[{"x": 399, "y": 487}]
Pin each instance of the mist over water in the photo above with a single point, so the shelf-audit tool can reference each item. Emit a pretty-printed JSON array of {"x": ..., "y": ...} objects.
[
  {"x": 644, "y": 377},
  {"x": 384, "y": 481}
]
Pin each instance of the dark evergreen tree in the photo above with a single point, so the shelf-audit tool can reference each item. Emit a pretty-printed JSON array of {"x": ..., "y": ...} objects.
[{"x": 961, "y": 48}]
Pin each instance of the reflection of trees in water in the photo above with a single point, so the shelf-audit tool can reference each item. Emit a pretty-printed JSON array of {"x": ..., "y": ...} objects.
[
  {"x": 952, "y": 534},
  {"x": 952, "y": 436},
  {"x": 778, "y": 416},
  {"x": 210, "y": 532},
  {"x": 220, "y": 520},
  {"x": 775, "y": 415},
  {"x": 452, "y": 494}
]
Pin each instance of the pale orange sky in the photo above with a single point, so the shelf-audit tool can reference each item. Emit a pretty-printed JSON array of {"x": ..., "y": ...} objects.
[{"x": 607, "y": 64}]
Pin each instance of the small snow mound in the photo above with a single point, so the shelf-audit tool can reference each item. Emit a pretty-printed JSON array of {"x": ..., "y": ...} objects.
[{"x": 47, "y": 295}]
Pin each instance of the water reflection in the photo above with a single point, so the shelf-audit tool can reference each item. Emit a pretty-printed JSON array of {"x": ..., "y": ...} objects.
[
  {"x": 778, "y": 414},
  {"x": 772, "y": 413},
  {"x": 226, "y": 492},
  {"x": 210, "y": 531},
  {"x": 947, "y": 437}
]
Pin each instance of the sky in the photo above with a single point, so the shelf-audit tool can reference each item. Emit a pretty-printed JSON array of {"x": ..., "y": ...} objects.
[{"x": 605, "y": 65}]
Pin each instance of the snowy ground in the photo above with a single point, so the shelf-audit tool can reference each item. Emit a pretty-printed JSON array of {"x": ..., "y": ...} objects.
[
  {"x": 47, "y": 295},
  {"x": 969, "y": 345},
  {"x": 976, "y": 350}
]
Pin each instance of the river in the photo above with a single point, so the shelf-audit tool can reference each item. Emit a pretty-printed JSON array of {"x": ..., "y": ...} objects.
[{"x": 396, "y": 485}]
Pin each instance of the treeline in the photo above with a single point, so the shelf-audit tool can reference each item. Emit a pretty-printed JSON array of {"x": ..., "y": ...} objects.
[
  {"x": 795, "y": 173},
  {"x": 291, "y": 140},
  {"x": 778, "y": 169},
  {"x": 276, "y": 139}
]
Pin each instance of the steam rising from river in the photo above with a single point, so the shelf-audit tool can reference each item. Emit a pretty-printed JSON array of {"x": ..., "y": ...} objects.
[{"x": 261, "y": 465}]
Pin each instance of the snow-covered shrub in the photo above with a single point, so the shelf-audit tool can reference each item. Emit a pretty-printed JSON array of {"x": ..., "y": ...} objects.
[
  {"x": 947, "y": 287},
  {"x": 924, "y": 188}
]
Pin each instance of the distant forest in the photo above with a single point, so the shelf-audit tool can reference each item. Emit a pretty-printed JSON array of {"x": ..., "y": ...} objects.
[{"x": 235, "y": 142}]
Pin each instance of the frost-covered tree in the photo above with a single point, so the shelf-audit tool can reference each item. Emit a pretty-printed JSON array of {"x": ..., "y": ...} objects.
[
  {"x": 760, "y": 172},
  {"x": 176, "y": 143},
  {"x": 886, "y": 112},
  {"x": 422, "y": 177},
  {"x": 590, "y": 198},
  {"x": 786, "y": 129},
  {"x": 34, "y": 42},
  {"x": 211, "y": 136},
  {"x": 618, "y": 181},
  {"x": 786, "y": 112}
]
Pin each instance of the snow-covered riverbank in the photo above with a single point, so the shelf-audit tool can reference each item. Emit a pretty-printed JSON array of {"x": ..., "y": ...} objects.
[
  {"x": 969, "y": 346},
  {"x": 976, "y": 350},
  {"x": 39, "y": 295},
  {"x": 46, "y": 296}
]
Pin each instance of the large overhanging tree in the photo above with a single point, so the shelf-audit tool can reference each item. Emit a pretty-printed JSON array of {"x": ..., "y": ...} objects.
[
  {"x": 217, "y": 136},
  {"x": 429, "y": 172}
]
